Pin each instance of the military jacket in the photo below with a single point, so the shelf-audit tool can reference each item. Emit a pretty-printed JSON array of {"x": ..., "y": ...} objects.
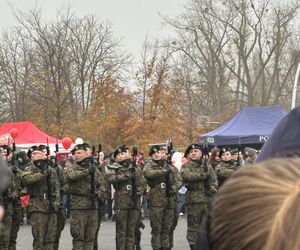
[
  {"x": 80, "y": 186},
  {"x": 157, "y": 178},
  {"x": 37, "y": 183},
  {"x": 9, "y": 195},
  {"x": 19, "y": 186},
  {"x": 178, "y": 184},
  {"x": 199, "y": 180},
  {"x": 125, "y": 179},
  {"x": 224, "y": 170}
]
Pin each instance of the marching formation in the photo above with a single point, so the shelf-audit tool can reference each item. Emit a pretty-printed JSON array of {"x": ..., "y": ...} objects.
[{"x": 87, "y": 182}]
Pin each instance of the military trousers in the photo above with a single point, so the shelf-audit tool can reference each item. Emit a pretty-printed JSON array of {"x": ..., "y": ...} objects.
[
  {"x": 5, "y": 231},
  {"x": 100, "y": 214},
  {"x": 43, "y": 226},
  {"x": 83, "y": 225},
  {"x": 61, "y": 221},
  {"x": 174, "y": 225},
  {"x": 17, "y": 219},
  {"x": 161, "y": 221},
  {"x": 195, "y": 213},
  {"x": 126, "y": 223}
]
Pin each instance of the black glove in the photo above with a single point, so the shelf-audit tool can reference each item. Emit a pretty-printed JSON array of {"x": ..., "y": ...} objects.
[
  {"x": 92, "y": 169},
  {"x": 14, "y": 169},
  {"x": 41, "y": 164}
]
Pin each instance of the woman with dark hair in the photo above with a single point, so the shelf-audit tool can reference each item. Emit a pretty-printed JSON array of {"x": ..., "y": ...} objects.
[{"x": 215, "y": 157}]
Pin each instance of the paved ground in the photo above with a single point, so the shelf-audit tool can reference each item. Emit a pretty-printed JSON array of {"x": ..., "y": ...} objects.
[{"x": 106, "y": 237}]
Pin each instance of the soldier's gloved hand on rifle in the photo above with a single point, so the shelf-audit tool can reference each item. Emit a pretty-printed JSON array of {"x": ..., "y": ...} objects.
[
  {"x": 14, "y": 169},
  {"x": 48, "y": 171},
  {"x": 41, "y": 164},
  {"x": 92, "y": 169}
]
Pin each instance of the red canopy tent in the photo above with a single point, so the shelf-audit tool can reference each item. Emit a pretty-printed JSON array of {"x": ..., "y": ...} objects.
[{"x": 28, "y": 135}]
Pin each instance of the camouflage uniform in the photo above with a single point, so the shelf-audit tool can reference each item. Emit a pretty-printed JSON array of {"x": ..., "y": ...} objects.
[
  {"x": 83, "y": 204},
  {"x": 197, "y": 177},
  {"x": 161, "y": 211},
  {"x": 42, "y": 185},
  {"x": 173, "y": 201},
  {"x": 127, "y": 205},
  {"x": 6, "y": 200},
  {"x": 17, "y": 217},
  {"x": 101, "y": 202},
  {"x": 60, "y": 217},
  {"x": 224, "y": 170}
]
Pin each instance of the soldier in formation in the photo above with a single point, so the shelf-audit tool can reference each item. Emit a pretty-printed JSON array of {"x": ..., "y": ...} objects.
[
  {"x": 86, "y": 185},
  {"x": 17, "y": 218},
  {"x": 226, "y": 167},
  {"x": 129, "y": 185},
  {"x": 200, "y": 179},
  {"x": 42, "y": 185},
  {"x": 162, "y": 188}
]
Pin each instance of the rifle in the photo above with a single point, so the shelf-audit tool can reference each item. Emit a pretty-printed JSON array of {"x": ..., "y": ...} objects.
[
  {"x": 170, "y": 151},
  {"x": 133, "y": 168},
  {"x": 205, "y": 154},
  {"x": 49, "y": 189},
  {"x": 93, "y": 178},
  {"x": 13, "y": 153},
  {"x": 169, "y": 161},
  {"x": 56, "y": 151}
]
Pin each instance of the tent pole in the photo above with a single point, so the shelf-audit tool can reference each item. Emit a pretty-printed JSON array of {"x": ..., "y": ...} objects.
[{"x": 295, "y": 88}]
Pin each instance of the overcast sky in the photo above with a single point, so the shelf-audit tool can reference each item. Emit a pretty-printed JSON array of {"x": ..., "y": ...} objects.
[{"x": 132, "y": 20}]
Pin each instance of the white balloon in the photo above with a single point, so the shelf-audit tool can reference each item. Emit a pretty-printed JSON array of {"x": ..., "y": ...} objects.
[{"x": 78, "y": 140}]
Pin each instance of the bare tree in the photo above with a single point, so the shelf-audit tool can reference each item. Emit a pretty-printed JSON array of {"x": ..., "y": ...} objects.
[{"x": 240, "y": 51}]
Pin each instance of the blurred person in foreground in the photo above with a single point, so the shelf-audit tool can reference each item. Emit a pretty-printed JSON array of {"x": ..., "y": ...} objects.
[
  {"x": 258, "y": 208},
  {"x": 5, "y": 182}
]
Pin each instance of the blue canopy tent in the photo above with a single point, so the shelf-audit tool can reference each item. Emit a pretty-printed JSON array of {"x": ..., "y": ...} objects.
[{"x": 251, "y": 125}]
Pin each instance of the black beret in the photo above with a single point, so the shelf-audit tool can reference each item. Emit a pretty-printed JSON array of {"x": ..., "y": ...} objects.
[
  {"x": 79, "y": 147},
  {"x": 120, "y": 149},
  {"x": 155, "y": 148},
  {"x": 35, "y": 148},
  {"x": 86, "y": 145},
  {"x": 234, "y": 151},
  {"x": 190, "y": 147},
  {"x": 21, "y": 154},
  {"x": 224, "y": 150}
]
